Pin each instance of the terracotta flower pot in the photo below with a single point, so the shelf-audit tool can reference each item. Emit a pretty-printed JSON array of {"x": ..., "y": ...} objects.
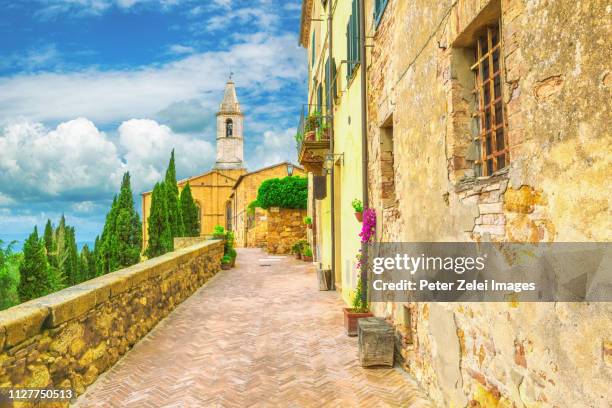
[
  {"x": 306, "y": 258},
  {"x": 359, "y": 216},
  {"x": 298, "y": 256},
  {"x": 350, "y": 320},
  {"x": 309, "y": 226},
  {"x": 226, "y": 267},
  {"x": 310, "y": 136}
]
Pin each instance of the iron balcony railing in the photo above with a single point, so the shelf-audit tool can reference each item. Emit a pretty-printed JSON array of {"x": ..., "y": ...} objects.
[{"x": 313, "y": 126}]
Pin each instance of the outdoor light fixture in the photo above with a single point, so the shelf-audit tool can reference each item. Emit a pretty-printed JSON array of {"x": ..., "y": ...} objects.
[
  {"x": 330, "y": 158},
  {"x": 290, "y": 169}
]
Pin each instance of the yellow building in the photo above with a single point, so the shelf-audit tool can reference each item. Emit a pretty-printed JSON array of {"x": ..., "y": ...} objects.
[
  {"x": 245, "y": 191},
  {"x": 334, "y": 152}
]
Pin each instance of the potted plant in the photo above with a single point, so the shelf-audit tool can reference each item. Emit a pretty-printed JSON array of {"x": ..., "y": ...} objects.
[
  {"x": 226, "y": 262},
  {"x": 310, "y": 127},
  {"x": 358, "y": 207},
  {"x": 308, "y": 221},
  {"x": 297, "y": 249},
  {"x": 233, "y": 255},
  {"x": 324, "y": 132},
  {"x": 358, "y": 310},
  {"x": 307, "y": 254}
]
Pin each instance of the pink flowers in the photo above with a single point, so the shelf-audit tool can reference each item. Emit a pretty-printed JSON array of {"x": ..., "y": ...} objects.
[{"x": 368, "y": 228}]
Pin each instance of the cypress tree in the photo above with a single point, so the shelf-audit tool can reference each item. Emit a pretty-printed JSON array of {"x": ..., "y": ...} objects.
[
  {"x": 49, "y": 239},
  {"x": 172, "y": 200},
  {"x": 104, "y": 247},
  {"x": 87, "y": 265},
  {"x": 127, "y": 235},
  {"x": 189, "y": 211},
  {"x": 159, "y": 231},
  {"x": 71, "y": 266},
  {"x": 38, "y": 278}
]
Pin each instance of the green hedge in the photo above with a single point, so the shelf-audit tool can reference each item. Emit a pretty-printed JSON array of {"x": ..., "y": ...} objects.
[{"x": 288, "y": 192}]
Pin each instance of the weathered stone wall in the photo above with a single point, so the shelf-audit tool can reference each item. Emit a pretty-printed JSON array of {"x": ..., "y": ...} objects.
[
  {"x": 557, "y": 92},
  {"x": 184, "y": 242},
  {"x": 66, "y": 339},
  {"x": 285, "y": 227},
  {"x": 257, "y": 229}
]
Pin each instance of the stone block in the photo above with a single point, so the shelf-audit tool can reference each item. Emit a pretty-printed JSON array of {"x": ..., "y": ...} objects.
[
  {"x": 68, "y": 304},
  {"x": 2, "y": 337},
  {"x": 376, "y": 342},
  {"x": 490, "y": 208},
  {"x": 22, "y": 322}
]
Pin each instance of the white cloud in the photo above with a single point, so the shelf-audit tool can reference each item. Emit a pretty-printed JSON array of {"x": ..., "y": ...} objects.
[
  {"x": 262, "y": 62},
  {"x": 148, "y": 145},
  {"x": 276, "y": 147},
  {"x": 83, "y": 207},
  {"x": 79, "y": 164},
  {"x": 181, "y": 49}
]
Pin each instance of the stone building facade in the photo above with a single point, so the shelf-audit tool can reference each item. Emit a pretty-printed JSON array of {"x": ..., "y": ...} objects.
[
  {"x": 434, "y": 177},
  {"x": 245, "y": 191}
]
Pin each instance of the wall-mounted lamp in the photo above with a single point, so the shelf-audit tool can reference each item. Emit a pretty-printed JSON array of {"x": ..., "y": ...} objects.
[
  {"x": 290, "y": 169},
  {"x": 330, "y": 160}
]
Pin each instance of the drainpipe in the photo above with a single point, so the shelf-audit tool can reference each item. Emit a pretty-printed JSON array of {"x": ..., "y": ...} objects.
[
  {"x": 330, "y": 114},
  {"x": 364, "y": 137}
]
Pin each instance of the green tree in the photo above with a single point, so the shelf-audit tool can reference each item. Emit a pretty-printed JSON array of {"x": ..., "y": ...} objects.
[
  {"x": 158, "y": 228},
  {"x": 128, "y": 229},
  {"x": 172, "y": 200},
  {"x": 288, "y": 192},
  {"x": 49, "y": 238},
  {"x": 37, "y": 277},
  {"x": 66, "y": 253},
  {"x": 190, "y": 213},
  {"x": 9, "y": 276},
  {"x": 87, "y": 264},
  {"x": 121, "y": 240}
]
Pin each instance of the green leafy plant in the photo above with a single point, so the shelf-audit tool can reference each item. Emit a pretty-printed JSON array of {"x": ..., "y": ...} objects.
[
  {"x": 9, "y": 276},
  {"x": 313, "y": 121},
  {"x": 287, "y": 192},
  {"x": 232, "y": 253},
  {"x": 308, "y": 220},
  {"x": 358, "y": 304},
  {"x": 226, "y": 260},
  {"x": 298, "y": 246},
  {"x": 357, "y": 205},
  {"x": 307, "y": 251},
  {"x": 251, "y": 207},
  {"x": 219, "y": 232}
]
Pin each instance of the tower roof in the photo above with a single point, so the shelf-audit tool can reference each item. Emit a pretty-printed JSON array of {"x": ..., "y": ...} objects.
[{"x": 230, "y": 100}]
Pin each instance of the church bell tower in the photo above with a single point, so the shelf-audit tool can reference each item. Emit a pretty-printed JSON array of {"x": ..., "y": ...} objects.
[{"x": 229, "y": 131}]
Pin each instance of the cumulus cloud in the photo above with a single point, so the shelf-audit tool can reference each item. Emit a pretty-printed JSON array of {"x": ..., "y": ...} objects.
[
  {"x": 77, "y": 163},
  {"x": 181, "y": 49},
  {"x": 74, "y": 158},
  {"x": 276, "y": 147}
]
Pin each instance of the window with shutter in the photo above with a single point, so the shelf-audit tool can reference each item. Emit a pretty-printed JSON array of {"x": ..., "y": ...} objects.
[
  {"x": 353, "y": 34},
  {"x": 312, "y": 46},
  {"x": 379, "y": 10},
  {"x": 327, "y": 85}
]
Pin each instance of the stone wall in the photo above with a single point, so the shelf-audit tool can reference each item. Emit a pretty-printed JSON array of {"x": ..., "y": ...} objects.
[
  {"x": 557, "y": 95},
  {"x": 285, "y": 227},
  {"x": 67, "y": 339},
  {"x": 184, "y": 242},
  {"x": 257, "y": 229}
]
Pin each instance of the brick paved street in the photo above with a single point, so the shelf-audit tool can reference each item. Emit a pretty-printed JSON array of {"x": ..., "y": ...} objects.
[{"x": 253, "y": 336}]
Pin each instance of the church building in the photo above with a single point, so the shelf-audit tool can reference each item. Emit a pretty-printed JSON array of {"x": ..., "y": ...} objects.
[{"x": 213, "y": 191}]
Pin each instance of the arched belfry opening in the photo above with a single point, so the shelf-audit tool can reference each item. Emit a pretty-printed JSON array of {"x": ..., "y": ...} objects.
[{"x": 229, "y": 128}]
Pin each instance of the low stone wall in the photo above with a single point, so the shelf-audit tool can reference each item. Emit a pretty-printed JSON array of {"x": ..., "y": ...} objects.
[
  {"x": 66, "y": 339},
  {"x": 257, "y": 229},
  {"x": 184, "y": 242},
  {"x": 285, "y": 227}
]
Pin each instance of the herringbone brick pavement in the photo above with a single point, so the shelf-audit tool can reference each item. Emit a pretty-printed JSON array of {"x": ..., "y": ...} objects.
[{"x": 254, "y": 336}]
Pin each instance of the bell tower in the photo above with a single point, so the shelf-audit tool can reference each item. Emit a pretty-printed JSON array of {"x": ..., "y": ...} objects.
[{"x": 229, "y": 130}]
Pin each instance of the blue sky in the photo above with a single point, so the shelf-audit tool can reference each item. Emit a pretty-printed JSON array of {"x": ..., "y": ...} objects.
[{"x": 90, "y": 89}]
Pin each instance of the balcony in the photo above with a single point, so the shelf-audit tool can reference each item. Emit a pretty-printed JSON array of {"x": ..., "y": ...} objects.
[{"x": 312, "y": 139}]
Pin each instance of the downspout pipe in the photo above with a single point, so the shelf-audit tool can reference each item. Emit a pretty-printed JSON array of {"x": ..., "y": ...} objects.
[
  {"x": 330, "y": 114},
  {"x": 364, "y": 137}
]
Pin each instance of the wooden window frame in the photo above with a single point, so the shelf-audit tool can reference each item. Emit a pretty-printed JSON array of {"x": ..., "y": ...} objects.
[{"x": 494, "y": 151}]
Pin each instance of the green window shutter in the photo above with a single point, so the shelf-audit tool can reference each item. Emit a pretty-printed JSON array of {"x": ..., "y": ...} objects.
[
  {"x": 334, "y": 79},
  {"x": 327, "y": 86},
  {"x": 348, "y": 50}
]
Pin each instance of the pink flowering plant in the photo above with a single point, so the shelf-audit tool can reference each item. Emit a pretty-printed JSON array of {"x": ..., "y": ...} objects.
[{"x": 367, "y": 234}]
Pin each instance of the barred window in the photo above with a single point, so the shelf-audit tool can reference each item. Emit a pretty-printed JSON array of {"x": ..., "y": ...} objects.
[{"x": 493, "y": 135}]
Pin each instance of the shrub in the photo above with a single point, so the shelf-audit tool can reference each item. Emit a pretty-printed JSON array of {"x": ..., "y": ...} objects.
[
  {"x": 232, "y": 253},
  {"x": 357, "y": 205},
  {"x": 307, "y": 252},
  {"x": 288, "y": 192},
  {"x": 307, "y": 220},
  {"x": 219, "y": 232},
  {"x": 226, "y": 260},
  {"x": 358, "y": 305}
]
